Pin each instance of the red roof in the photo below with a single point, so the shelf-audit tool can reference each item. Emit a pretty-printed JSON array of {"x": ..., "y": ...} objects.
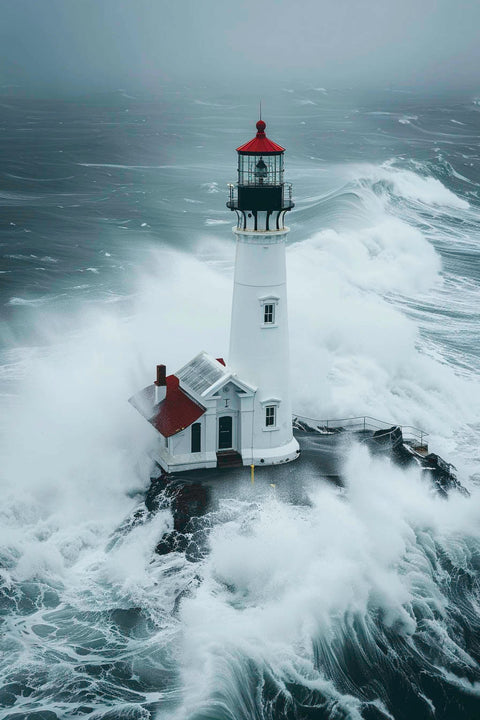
[
  {"x": 177, "y": 411},
  {"x": 260, "y": 144}
]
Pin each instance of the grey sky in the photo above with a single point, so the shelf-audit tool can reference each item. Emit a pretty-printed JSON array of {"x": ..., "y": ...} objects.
[{"x": 81, "y": 44}]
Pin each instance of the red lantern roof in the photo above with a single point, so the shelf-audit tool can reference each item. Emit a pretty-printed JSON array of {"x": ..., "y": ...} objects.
[{"x": 260, "y": 144}]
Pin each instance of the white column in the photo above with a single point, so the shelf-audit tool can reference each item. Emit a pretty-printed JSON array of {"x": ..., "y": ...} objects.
[{"x": 259, "y": 351}]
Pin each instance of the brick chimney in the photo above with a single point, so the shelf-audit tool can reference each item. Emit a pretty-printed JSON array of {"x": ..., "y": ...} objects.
[{"x": 160, "y": 384}]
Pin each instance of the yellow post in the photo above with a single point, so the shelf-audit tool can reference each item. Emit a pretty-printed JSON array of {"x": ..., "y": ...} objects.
[{"x": 252, "y": 473}]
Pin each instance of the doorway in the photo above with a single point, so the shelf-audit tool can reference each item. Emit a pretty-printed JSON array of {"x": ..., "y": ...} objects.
[{"x": 225, "y": 432}]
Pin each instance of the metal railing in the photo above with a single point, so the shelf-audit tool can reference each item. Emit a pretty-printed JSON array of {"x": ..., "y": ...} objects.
[
  {"x": 287, "y": 196},
  {"x": 364, "y": 422},
  {"x": 232, "y": 196}
]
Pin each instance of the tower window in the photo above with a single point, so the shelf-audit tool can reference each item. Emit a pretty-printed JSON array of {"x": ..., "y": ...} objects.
[
  {"x": 268, "y": 305},
  {"x": 269, "y": 313},
  {"x": 196, "y": 437},
  {"x": 270, "y": 416}
]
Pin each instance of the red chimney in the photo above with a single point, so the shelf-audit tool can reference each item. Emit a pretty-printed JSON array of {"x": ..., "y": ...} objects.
[{"x": 161, "y": 380}]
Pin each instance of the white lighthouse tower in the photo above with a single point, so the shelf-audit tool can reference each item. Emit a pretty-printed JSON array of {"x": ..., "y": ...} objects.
[
  {"x": 259, "y": 341},
  {"x": 216, "y": 414}
]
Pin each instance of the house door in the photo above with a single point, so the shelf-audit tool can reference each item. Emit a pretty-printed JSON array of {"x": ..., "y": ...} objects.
[{"x": 225, "y": 432}]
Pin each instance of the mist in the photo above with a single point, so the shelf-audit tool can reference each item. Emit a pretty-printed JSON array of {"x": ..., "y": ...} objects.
[{"x": 73, "y": 47}]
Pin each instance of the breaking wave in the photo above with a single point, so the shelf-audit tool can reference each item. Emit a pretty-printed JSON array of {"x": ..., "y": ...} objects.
[
  {"x": 344, "y": 604},
  {"x": 411, "y": 186},
  {"x": 334, "y": 608}
]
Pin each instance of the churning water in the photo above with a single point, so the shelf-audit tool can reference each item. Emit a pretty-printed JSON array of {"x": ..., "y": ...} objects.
[{"x": 117, "y": 254}]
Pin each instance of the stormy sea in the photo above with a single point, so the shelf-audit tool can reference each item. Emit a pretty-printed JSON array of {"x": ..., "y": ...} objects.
[{"x": 116, "y": 250}]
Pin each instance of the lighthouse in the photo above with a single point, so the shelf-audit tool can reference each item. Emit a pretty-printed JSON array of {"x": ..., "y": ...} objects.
[
  {"x": 259, "y": 341},
  {"x": 213, "y": 413}
]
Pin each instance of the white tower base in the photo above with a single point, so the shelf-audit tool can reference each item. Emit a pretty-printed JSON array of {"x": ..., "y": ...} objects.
[{"x": 259, "y": 349}]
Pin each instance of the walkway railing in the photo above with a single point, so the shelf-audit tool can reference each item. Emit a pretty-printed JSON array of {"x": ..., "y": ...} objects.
[{"x": 364, "y": 422}]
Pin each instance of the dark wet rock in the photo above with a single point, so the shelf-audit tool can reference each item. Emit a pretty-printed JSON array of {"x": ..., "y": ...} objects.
[
  {"x": 172, "y": 542},
  {"x": 155, "y": 497},
  {"x": 434, "y": 468},
  {"x": 443, "y": 474},
  {"x": 140, "y": 516},
  {"x": 197, "y": 547},
  {"x": 391, "y": 437},
  {"x": 191, "y": 495},
  {"x": 188, "y": 500},
  {"x": 185, "y": 498}
]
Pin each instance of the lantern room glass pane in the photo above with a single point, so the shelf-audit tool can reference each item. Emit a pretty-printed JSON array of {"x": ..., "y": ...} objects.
[{"x": 260, "y": 170}]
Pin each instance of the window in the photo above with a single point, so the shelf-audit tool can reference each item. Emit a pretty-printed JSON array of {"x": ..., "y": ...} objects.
[
  {"x": 270, "y": 416},
  {"x": 269, "y": 313},
  {"x": 196, "y": 437}
]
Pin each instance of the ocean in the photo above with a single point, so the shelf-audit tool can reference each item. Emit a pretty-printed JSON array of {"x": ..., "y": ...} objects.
[{"x": 116, "y": 253}]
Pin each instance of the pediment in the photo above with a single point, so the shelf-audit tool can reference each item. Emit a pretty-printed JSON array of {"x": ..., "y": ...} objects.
[{"x": 240, "y": 386}]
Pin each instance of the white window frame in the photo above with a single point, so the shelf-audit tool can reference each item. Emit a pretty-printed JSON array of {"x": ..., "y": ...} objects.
[
  {"x": 270, "y": 416},
  {"x": 269, "y": 311},
  {"x": 270, "y": 403},
  {"x": 264, "y": 302}
]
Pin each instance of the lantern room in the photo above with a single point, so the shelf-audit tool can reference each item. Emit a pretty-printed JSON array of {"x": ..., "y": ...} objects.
[
  {"x": 260, "y": 183},
  {"x": 260, "y": 161}
]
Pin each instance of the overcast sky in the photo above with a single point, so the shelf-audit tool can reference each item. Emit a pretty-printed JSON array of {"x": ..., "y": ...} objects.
[{"x": 93, "y": 44}]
